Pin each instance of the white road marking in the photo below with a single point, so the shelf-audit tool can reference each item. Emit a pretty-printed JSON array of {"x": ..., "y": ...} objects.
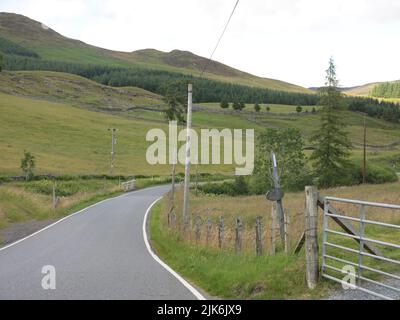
[{"x": 197, "y": 294}]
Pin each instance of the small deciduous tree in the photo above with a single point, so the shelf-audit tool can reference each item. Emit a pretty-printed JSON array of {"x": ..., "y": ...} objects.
[
  {"x": 268, "y": 108},
  {"x": 299, "y": 109},
  {"x": 28, "y": 163},
  {"x": 331, "y": 143},
  {"x": 257, "y": 107},
  {"x": 288, "y": 146}
]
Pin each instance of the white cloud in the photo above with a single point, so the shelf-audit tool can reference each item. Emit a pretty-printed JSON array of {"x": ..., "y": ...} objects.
[{"x": 290, "y": 40}]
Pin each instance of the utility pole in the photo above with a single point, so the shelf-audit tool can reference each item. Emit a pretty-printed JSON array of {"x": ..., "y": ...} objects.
[
  {"x": 187, "y": 162},
  {"x": 365, "y": 151},
  {"x": 279, "y": 204},
  {"x": 172, "y": 198},
  {"x": 113, "y": 143}
]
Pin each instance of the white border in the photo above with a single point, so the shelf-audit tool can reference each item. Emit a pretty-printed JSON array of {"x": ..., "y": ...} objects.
[{"x": 197, "y": 294}]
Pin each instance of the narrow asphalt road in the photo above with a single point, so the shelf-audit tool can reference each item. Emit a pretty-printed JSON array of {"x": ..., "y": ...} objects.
[{"x": 99, "y": 253}]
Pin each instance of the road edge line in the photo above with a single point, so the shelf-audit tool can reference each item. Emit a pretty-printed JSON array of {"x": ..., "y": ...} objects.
[{"x": 186, "y": 284}]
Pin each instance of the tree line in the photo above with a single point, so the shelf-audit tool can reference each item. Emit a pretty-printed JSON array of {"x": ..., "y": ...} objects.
[
  {"x": 386, "y": 90},
  {"x": 206, "y": 90},
  {"x": 388, "y": 111},
  {"x": 155, "y": 81},
  {"x": 9, "y": 47}
]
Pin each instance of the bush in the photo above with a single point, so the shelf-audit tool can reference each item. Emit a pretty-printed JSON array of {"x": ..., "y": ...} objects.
[
  {"x": 376, "y": 174},
  {"x": 237, "y": 188}
]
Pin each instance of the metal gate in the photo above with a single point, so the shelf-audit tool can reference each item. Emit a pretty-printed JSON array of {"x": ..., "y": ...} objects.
[{"x": 383, "y": 264}]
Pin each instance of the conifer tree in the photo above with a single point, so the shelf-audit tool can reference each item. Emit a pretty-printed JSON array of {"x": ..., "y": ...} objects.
[{"x": 331, "y": 143}]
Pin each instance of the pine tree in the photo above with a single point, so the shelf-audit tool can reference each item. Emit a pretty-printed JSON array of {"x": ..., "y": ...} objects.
[
  {"x": 175, "y": 102},
  {"x": 257, "y": 107},
  {"x": 330, "y": 157}
]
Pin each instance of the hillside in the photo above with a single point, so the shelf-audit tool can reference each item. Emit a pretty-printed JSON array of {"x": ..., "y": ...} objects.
[
  {"x": 48, "y": 44},
  {"x": 67, "y": 138},
  {"x": 75, "y": 90},
  {"x": 364, "y": 90}
]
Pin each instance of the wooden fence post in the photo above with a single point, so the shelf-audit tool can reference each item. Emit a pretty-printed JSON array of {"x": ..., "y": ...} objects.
[
  {"x": 54, "y": 196},
  {"x": 238, "y": 235},
  {"x": 312, "y": 254},
  {"x": 287, "y": 232},
  {"x": 221, "y": 232},
  {"x": 209, "y": 230},
  {"x": 274, "y": 223},
  {"x": 259, "y": 248},
  {"x": 198, "y": 229}
]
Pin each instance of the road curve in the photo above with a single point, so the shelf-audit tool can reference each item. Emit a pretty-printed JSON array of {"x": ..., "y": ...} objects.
[{"x": 99, "y": 253}]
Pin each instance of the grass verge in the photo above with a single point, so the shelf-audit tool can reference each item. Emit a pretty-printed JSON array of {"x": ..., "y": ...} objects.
[{"x": 228, "y": 275}]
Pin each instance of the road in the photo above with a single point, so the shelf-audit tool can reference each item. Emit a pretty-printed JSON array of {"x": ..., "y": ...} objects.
[{"x": 99, "y": 253}]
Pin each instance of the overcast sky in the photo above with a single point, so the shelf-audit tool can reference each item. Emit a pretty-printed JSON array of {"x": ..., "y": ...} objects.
[{"x": 290, "y": 40}]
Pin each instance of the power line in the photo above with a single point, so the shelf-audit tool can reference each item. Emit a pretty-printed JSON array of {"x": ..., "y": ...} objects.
[{"x": 219, "y": 40}]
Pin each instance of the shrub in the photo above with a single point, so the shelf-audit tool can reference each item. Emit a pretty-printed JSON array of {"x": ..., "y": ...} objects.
[{"x": 376, "y": 173}]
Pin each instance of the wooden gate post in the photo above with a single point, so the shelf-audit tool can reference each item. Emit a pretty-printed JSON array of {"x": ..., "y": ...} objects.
[{"x": 312, "y": 255}]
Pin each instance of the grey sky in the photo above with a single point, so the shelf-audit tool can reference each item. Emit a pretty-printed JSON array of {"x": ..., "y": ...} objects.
[{"x": 290, "y": 40}]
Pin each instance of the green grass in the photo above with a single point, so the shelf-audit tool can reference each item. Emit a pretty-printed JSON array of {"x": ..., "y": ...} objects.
[
  {"x": 231, "y": 276},
  {"x": 71, "y": 140},
  {"x": 32, "y": 201}
]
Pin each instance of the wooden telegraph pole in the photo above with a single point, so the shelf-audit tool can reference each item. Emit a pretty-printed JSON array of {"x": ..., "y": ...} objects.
[{"x": 187, "y": 162}]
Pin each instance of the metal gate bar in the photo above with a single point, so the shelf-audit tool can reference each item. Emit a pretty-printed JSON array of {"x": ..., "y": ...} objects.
[{"x": 362, "y": 239}]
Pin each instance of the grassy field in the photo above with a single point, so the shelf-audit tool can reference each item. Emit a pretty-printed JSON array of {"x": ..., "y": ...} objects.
[
  {"x": 68, "y": 139},
  {"x": 71, "y": 140},
  {"x": 32, "y": 201},
  {"x": 245, "y": 276}
]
